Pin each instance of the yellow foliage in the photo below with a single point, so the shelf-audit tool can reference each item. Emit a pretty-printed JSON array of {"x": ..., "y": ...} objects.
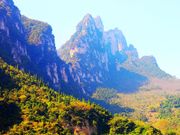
[
  {"x": 22, "y": 97},
  {"x": 162, "y": 124},
  {"x": 81, "y": 105}
]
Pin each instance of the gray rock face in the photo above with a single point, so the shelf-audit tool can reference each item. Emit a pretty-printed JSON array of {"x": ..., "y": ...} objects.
[
  {"x": 99, "y": 23},
  {"x": 97, "y": 56},
  {"x": 84, "y": 51},
  {"x": 12, "y": 41},
  {"x": 92, "y": 57},
  {"x": 104, "y": 59},
  {"x": 30, "y": 45},
  {"x": 116, "y": 40}
]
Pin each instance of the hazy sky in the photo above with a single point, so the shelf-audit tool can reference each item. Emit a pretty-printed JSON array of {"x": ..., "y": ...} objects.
[{"x": 152, "y": 26}]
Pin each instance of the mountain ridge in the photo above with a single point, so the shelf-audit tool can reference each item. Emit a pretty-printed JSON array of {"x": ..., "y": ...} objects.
[
  {"x": 29, "y": 44},
  {"x": 27, "y": 106},
  {"x": 90, "y": 59},
  {"x": 106, "y": 56},
  {"x": 94, "y": 65}
]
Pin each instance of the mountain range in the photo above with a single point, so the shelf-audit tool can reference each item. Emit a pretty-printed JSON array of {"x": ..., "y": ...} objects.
[
  {"x": 91, "y": 58},
  {"x": 29, "y": 44},
  {"x": 39, "y": 83},
  {"x": 28, "y": 106},
  {"x": 104, "y": 59}
]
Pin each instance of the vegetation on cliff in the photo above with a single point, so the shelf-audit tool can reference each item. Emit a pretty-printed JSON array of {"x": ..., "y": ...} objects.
[{"x": 27, "y": 106}]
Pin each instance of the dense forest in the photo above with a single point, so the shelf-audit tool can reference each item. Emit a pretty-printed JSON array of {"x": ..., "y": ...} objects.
[{"x": 27, "y": 106}]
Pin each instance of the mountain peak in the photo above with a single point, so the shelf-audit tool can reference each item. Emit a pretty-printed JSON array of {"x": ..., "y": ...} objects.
[
  {"x": 6, "y": 2},
  {"x": 150, "y": 60},
  {"x": 88, "y": 17},
  {"x": 99, "y": 23},
  {"x": 9, "y": 7},
  {"x": 116, "y": 39},
  {"x": 132, "y": 52},
  {"x": 37, "y": 31},
  {"x": 90, "y": 25},
  {"x": 86, "y": 23}
]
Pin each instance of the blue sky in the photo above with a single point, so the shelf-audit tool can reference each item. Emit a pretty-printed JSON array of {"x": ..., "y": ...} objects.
[{"x": 152, "y": 26}]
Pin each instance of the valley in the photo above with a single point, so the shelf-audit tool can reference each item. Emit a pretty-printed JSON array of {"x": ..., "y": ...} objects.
[{"x": 148, "y": 104}]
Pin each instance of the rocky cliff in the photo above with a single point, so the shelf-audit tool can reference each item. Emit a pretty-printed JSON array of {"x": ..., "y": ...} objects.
[
  {"x": 91, "y": 58},
  {"x": 104, "y": 59},
  {"x": 29, "y": 44},
  {"x": 12, "y": 41}
]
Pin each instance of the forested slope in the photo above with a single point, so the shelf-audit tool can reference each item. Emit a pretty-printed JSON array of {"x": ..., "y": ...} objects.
[{"x": 27, "y": 106}]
